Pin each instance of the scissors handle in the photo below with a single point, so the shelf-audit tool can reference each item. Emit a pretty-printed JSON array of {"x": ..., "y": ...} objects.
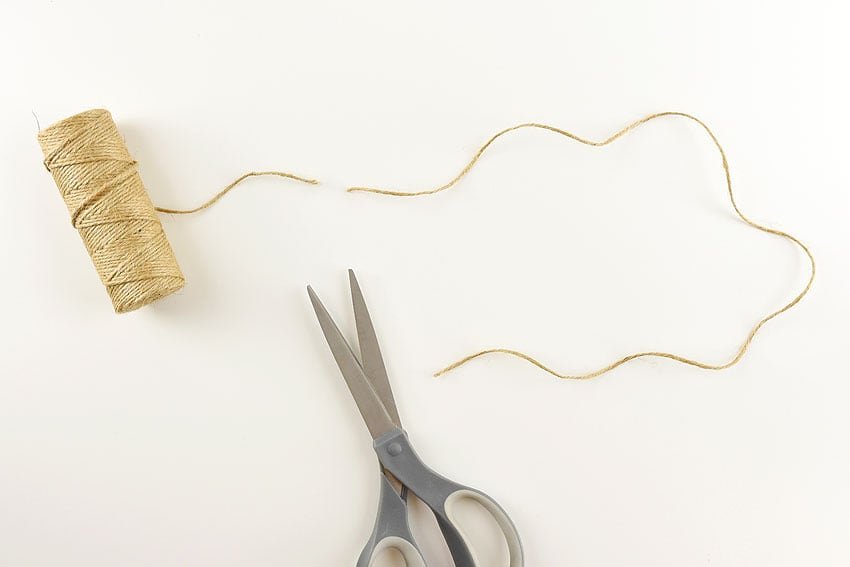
[
  {"x": 391, "y": 530},
  {"x": 440, "y": 495}
]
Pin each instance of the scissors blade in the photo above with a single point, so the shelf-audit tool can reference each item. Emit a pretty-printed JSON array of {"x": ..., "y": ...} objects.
[
  {"x": 368, "y": 402},
  {"x": 370, "y": 352}
]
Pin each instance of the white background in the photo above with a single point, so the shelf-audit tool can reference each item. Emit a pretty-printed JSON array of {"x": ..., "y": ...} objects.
[{"x": 212, "y": 429}]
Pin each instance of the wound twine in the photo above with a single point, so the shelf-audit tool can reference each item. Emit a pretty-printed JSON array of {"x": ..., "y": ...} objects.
[
  {"x": 742, "y": 349},
  {"x": 100, "y": 183},
  {"x": 111, "y": 209}
]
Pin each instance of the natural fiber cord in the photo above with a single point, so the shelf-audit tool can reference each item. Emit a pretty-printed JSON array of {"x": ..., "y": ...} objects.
[
  {"x": 742, "y": 349},
  {"x": 100, "y": 183},
  {"x": 231, "y": 185},
  {"x": 110, "y": 208}
]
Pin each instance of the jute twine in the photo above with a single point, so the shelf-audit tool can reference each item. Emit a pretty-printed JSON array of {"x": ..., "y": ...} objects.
[
  {"x": 110, "y": 208},
  {"x": 733, "y": 359},
  {"x": 100, "y": 183}
]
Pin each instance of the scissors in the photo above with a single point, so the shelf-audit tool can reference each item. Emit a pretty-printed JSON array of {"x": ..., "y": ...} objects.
[{"x": 400, "y": 465}]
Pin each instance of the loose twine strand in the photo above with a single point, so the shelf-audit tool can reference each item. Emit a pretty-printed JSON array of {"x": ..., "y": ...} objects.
[
  {"x": 230, "y": 186},
  {"x": 742, "y": 349}
]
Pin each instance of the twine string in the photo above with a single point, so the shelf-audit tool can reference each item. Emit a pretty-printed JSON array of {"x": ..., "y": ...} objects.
[
  {"x": 215, "y": 198},
  {"x": 109, "y": 206},
  {"x": 745, "y": 344}
]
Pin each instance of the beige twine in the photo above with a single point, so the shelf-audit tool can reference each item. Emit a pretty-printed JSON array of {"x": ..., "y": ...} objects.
[
  {"x": 742, "y": 349},
  {"x": 110, "y": 208},
  {"x": 100, "y": 183}
]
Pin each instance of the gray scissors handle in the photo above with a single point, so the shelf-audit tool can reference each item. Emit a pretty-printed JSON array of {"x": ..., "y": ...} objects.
[
  {"x": 391, "y": 530},
  {"x": 440, "y": 495}
]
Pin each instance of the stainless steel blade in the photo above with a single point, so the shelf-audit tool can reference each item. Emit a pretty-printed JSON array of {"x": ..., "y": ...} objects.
[
  {"x": 370, "y": 352},
  {"x": 378, "y": 421}
]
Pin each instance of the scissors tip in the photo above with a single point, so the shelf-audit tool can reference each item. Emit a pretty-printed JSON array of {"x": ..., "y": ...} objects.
[{"x": 314, "y": 299}]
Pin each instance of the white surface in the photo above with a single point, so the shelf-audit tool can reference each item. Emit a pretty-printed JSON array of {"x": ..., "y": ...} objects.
[{"x": 212, "y": 429}]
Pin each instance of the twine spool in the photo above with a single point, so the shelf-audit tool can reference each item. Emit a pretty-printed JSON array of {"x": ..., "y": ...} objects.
[
  {"x": 110, "y": 208},
  {"x": 98, "y": 179}
]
